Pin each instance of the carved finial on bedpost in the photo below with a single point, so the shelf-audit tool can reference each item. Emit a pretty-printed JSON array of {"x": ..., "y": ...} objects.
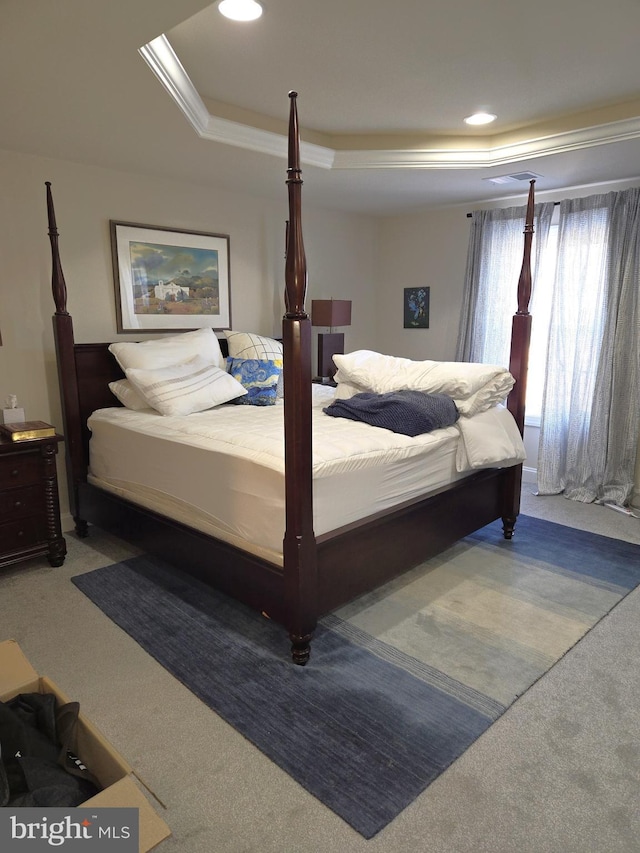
[
  {"x": 58, "y": 285},
  {"x": 296, "y": 263},
  {"x": 524, "y": 283}
]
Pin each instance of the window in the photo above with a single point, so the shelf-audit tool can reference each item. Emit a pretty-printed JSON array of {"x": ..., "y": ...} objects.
[
  {"x": 541, "y": 315},
  {"x": 584, "y": 383},
  {"x": 579, "y": 268}
]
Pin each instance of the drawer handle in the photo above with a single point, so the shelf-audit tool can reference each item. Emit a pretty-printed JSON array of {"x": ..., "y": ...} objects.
[
  {"x": 15, "y": 472},
  {"x": 18, "y": 504},
  {"x": 20, "y": 533}
]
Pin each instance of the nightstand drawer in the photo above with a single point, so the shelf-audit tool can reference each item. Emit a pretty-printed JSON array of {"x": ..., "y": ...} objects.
[
  {"x": 29, "y": 505},
  {"x": 19, "y": 503},
  {"x": 21, "y": 469},
  {"x": 22, "y": 533}
]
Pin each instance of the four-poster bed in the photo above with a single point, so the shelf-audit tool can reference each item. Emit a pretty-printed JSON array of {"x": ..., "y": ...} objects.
[{"x": 318, "y": 572}]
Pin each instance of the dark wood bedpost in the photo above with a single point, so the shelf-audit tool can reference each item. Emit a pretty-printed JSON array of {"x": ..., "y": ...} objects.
[
  {"x": 518, "y": 362},
  {"x": 299, "y": 547},
  {"x": 65, "y": 356}
]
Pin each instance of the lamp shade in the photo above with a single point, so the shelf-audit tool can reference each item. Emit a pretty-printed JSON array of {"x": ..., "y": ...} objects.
[{"x": 330, "y": 312}]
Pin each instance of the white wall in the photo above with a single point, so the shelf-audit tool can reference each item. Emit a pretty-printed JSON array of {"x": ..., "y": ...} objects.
[
  {"x": 339, "y": 251},
  {"x": 340, "y": 254},
  {"x": 428, "y": 249}
]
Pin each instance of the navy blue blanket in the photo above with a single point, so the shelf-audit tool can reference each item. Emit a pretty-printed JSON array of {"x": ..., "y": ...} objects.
[{"x": 408, "y": 412}]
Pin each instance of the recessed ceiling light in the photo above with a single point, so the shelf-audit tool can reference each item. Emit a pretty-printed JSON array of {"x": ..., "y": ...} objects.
[
  {"x": 240, "y": 10},
  {"x": 480, "y": 118}
]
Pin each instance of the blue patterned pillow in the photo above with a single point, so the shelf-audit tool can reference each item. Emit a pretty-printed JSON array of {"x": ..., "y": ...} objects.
[{"x": 259, "y": 377}]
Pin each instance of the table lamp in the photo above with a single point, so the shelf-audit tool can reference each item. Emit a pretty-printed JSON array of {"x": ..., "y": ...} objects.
[{"x": 330, "y": 312}]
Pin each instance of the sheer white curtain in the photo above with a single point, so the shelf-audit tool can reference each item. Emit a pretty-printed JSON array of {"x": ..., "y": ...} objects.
[
  {"x": 591, "y": 404},
  {"x": 494, "y": 260},
  {"x": 589, "y": 342}
]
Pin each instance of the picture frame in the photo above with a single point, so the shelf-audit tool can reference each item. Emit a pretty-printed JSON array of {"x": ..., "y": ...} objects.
[
  {"x": 416, "y": 307},
  {"x": 169, "y": 279}
]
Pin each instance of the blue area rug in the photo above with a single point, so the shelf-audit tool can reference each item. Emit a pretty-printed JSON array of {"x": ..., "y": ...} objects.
[{"x": 400, "y": 682}]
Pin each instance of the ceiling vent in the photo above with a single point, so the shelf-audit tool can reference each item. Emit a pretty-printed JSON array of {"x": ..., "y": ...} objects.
[{"x": 509, "y": 179}]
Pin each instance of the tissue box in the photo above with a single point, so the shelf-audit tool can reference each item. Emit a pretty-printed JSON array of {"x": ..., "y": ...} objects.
[{"x": 12, "y": 416}]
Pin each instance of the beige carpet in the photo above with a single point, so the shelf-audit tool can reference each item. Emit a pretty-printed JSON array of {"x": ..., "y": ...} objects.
[{"x": 559, "y": 772}]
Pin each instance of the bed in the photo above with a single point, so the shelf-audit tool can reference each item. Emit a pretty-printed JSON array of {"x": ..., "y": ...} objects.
[{"x": 314, "y": 552}]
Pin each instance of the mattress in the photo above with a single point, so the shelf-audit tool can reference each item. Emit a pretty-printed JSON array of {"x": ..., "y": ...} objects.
[{"x": 222, "y": 471}]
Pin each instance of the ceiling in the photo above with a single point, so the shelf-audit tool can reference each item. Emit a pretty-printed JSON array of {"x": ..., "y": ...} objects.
[{"x": 383, "y": 90}]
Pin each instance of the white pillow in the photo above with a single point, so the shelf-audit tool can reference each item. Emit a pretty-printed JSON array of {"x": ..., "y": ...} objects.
[
  {"x": 182, "y": 389},
  {"x": 128, "y": 396},
  {"x": 174, "y": 349},
  {"x": 250, "y": 345}
]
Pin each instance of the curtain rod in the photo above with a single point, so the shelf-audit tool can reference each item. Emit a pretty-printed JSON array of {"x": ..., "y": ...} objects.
[{"x": 555, "y": 204}]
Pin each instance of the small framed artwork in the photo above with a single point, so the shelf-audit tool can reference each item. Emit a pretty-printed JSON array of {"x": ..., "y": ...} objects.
[
  {"x": 416, "y": 307},
  {"x": 169, "y": 280}
]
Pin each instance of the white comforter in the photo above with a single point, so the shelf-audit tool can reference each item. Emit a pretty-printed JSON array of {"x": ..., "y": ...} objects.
[
  {"x": 488, "y": 432},
  {"x": 474, "y": 387},
  {"x": 489, "y": 438}
]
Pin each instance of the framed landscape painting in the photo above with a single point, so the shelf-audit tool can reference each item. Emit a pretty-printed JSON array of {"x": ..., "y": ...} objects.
[
  {"x": 416, "y": 307},
  {"x": 170, "y": 280}
]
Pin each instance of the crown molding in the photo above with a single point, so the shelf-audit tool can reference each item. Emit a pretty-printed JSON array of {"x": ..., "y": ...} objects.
[
  {"x": 165, "y": 64},
  {"x": 163, "y": 61},
  {"x": 491, "y": 155}
]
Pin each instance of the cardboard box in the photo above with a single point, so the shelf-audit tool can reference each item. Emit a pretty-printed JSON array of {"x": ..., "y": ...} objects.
[{"x": 114, "y": 774}]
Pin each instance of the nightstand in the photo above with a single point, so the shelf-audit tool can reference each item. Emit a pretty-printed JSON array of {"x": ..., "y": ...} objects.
[{"x": 29, "y": 505}]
